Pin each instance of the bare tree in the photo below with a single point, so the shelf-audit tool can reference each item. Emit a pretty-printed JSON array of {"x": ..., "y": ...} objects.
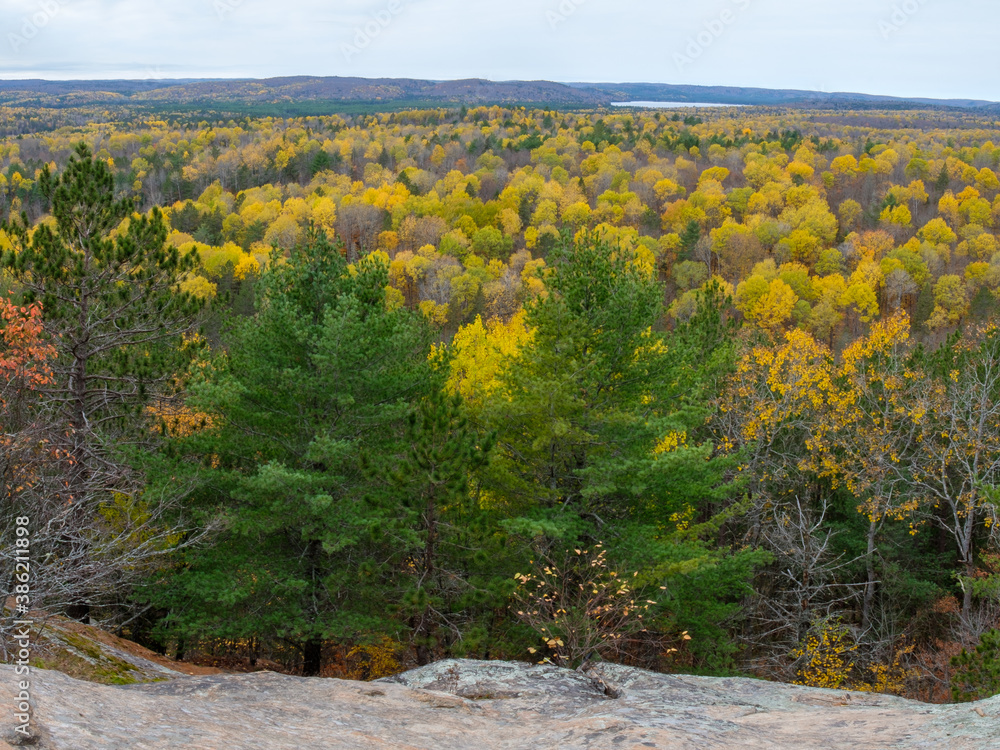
[
  {"x": 358, "y": 225},
  {"x": 898, "y": 286},
  {"x": 804, "y": 585}
]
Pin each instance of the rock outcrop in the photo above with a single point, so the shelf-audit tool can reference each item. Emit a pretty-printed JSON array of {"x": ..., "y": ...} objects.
[
  {"x": 95, "y": 655},
  {"x": 485, "y": 706}
]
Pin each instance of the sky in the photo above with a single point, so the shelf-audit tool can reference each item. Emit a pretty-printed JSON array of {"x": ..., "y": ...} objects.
[{"x": 909, "y": 48}]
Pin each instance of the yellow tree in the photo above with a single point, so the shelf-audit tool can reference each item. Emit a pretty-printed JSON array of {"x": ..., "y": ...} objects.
[
  {"x": 918, "y": 435},
  {"x": 480, "y": 353},
  {"x": 773, "y": 412},
  {"x": 768, "y": 305},
  {"x": 951, "y": 302},
  {"x": 876, "y": 406}
]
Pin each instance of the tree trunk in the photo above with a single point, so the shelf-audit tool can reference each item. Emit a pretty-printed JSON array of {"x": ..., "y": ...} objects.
[
  {"x": 424, "y": 629},
  {"x": 970, "y": 570},
  {"x": 312, "y": 657},
  {"x": 423, "y": 654},
  {"x": 968, "y": 558},
  {"x": 866, "y": 611}
]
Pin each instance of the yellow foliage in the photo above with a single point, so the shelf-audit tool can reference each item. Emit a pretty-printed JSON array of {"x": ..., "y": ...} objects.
[
  {"x": 481, "y": 352},
  {"x": 434, "y": 311},
  {"x": 199, "y": 286},
  {"x": 770, "y": 309},
  {"x": 670, "y": 442},
  {"x": 378, "y": 660},
  {"x": 827, "y": 657},
  {"x": 248, "y": 266}
]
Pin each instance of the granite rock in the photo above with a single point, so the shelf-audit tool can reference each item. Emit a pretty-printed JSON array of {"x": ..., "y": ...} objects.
[{"x": 457, "y": 704}]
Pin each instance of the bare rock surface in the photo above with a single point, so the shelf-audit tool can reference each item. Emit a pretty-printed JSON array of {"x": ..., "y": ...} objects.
[{"x": 482, "y": 705}]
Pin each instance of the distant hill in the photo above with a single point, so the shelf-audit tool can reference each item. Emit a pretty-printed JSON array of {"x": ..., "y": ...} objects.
[
  {"x": 397, "y": 92},
  {"x": 469, "y": 91},
  {"x": 334, "y": 90}
]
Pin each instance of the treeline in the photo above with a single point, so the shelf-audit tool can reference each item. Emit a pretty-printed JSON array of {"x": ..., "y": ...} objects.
[{"x": 602, "y": 404}]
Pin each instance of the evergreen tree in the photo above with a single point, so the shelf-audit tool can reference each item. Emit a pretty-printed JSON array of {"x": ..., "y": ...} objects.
[
  {"x": 578, "y": 390},
  {"x": 442, "y": 535},
  {"x": 689, "y": 239},
  {"x": 111, "y": 301},
  {"x": 599, "y": 387},
  {"x": 109, "y": 287},
  {"x": 943, "y": 180},
  {"x": 977, "y": 674},
  {"x": 324, "y": 374},
  {"x": 601, "y": 428}
]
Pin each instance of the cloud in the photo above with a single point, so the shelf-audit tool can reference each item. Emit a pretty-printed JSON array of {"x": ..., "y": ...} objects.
[{"x": 902, "y": 47}]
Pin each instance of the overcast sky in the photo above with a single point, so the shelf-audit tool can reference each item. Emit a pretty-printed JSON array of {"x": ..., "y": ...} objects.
[{"x": 927, "y": 48}]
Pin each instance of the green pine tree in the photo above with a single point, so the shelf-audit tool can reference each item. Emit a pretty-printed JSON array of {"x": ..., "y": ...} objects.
[
  {"x": 113, "y": 308},
  {"x": 689, "y": 239},
  {"x": 943, "y": 180},
  {"x": 112, "y": 303},
  {"x": 601, "y": 431},
  {"x": 977, "y": 674},
  {"x": 323, "y": 375},
  {"x": 447, "y": 549}
]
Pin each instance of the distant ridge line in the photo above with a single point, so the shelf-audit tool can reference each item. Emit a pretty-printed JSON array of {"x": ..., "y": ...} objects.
[{"x": 470, "y": 91}]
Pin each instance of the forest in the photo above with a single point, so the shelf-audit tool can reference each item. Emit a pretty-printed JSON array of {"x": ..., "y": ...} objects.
[{"x": 713, "y": 392}]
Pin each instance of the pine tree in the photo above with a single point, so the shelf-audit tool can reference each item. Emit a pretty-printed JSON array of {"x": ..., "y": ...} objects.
[
  {"x": 601, "y": 425},
  {"x": 111, "y": 301},
  {"x": 324, "y": 374},
  {"x": 943, "y": 180},
  {"x": 977, "y": 674},
  {"x": 109, "y": 288},
  {"x": 440, "y": 521},
  {"x": 591, "y": 358},
  {"x": 689, "y": 239}
]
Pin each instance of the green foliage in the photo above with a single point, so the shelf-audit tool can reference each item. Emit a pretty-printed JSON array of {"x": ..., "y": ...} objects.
[
  {"x": 977, "y": 674},
  {"x": 689, "y": 238},
  {"x": 322, "y": 375},
  {"x": 442, "y": 589},
  {"x": 698, "y": 588},
  {"x": 111, "y": 298},
  {"x": 601, "y": 421},
  {"x": 489, "y": 242},
  {"x": 577, "y": 394},
  {"x": 113, "y": 310}
]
